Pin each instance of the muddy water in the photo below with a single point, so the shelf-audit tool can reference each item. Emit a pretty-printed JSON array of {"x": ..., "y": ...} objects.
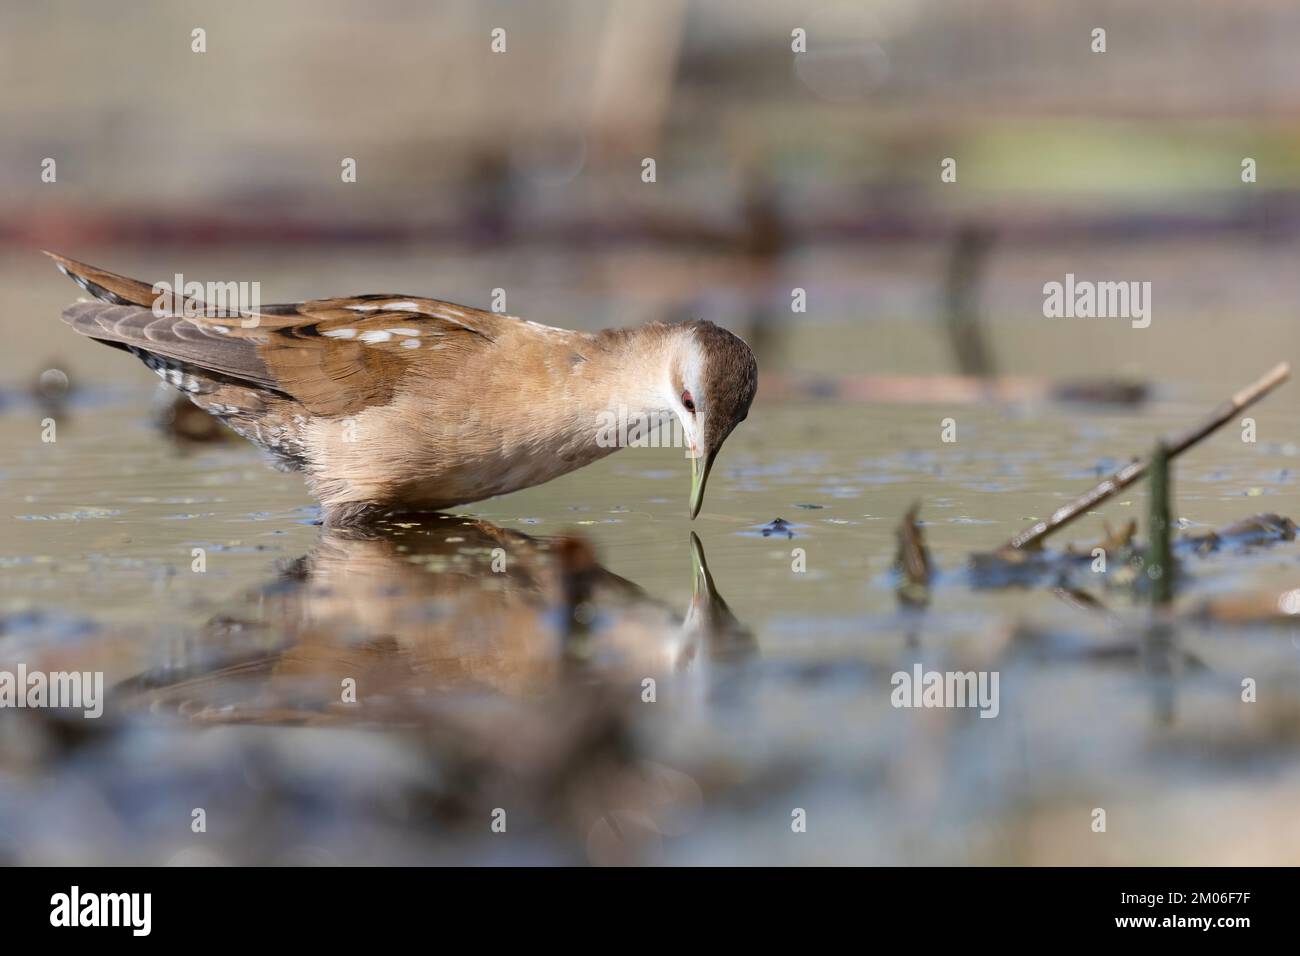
[{"x": 481, "y": 688}]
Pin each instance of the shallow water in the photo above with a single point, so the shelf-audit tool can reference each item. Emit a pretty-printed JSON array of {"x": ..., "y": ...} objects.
[
  {"x": 104, "y": 519},
  {"x": 226, "y": 683},
  {"x": 481, "y": 689}
]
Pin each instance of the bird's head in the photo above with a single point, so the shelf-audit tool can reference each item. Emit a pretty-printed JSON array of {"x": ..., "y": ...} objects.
[{"x": 711, "y": 381}]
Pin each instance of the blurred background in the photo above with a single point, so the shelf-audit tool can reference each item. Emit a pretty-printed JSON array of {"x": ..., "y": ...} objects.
[
  {"x": 479, "y": 170},
  {"x": 775, "y": 171}
]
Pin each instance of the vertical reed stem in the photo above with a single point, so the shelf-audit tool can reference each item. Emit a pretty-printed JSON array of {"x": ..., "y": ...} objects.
[{"x": 1160, "y": 560}]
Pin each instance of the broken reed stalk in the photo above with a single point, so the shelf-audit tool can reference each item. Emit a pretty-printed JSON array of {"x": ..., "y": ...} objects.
[
  {"x": 912, "y": 561},
  {"x": 1131, "y": 472},
  {"x": 1160, "y": 559}
]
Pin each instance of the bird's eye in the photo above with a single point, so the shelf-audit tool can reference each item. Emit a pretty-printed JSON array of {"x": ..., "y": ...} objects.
[{"x": 688, "y": 402}]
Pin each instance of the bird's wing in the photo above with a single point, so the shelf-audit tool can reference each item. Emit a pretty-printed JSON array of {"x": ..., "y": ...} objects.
[
  {"x": 334, "y": 356},
  {"x": 339, "y": 356},
  {"x": 184, "y": 343}
]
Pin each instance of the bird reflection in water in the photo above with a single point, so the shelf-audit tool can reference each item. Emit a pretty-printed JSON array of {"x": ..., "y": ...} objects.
[{"x": 372, "y": 626}]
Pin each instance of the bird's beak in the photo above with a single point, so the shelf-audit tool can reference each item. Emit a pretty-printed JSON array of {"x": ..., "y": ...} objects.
[
  {"x": 725, "y": 638},
  {"x": 700, "y": 466},
  {"x": 702, "y": 590}
]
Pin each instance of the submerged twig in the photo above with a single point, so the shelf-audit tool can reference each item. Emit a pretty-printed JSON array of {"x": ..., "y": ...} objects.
[{"x": 1131, "y": 472}]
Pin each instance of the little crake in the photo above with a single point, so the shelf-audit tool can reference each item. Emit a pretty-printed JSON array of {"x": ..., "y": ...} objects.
[{"x": 391, "y": 403}]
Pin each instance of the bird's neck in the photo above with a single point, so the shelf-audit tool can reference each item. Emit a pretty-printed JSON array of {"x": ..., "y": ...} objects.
[
  {"x": 633, "y": 370},
  {"x": 622, "y": 384}
]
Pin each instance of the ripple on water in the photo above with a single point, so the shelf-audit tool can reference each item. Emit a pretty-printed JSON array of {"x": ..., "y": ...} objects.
[{"x": 84, "y": 514}]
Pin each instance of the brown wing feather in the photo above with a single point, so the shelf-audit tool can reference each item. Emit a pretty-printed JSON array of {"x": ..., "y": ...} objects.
[
  {"x": 181, "y": 340},
  {"x": 342, "y": 361},
  {"x": 334, "y": 356},
  {"x": 106, "y": 286}
]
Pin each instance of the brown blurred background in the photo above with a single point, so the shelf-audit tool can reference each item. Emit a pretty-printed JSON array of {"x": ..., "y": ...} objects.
[
  {"x": 776, "y": 171},
  {"x": 479, "y": 170}
]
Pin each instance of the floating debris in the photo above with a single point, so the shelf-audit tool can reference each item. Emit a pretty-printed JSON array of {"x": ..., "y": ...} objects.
[
  {"x": 777, "y": 526},
  {"x": 1248, "y": 533},
  {"x": 1025, "y": 568},
  {"x": 1117, "y": 540},
  {"x": 912, "y": 561},
  {"x": 1032, "y": 537},
  {"x": 1122, "y": 556}
]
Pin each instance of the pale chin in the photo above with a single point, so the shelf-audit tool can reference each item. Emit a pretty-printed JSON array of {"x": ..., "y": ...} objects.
[{"x": 694, "y": 443}]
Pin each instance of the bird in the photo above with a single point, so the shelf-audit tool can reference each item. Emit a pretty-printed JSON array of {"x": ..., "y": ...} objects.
[{"x": 397, "y": 403}]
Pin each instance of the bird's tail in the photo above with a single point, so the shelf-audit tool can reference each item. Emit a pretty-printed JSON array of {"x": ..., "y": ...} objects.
[{"x": 103, "y": 285}]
